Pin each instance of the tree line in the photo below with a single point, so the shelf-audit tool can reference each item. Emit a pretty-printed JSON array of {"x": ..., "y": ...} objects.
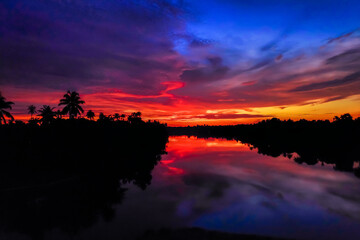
[
  {"x": 72, "y": 109},
  {"x": 335, "y": 142}
]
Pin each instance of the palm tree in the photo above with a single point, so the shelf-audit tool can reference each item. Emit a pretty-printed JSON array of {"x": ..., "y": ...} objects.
[
  {"x": 72, "y": 103},
  {"x": 3, "y": 113},
  {"x": 47, "y": 114},
  {"x": 116, "y": 116},
  {"x": 90, "y": 115},
  {"x": 31, "y": 110}
]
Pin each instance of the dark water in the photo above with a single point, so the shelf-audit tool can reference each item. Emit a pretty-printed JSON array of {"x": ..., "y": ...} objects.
[{"x": 223, "y": 185}]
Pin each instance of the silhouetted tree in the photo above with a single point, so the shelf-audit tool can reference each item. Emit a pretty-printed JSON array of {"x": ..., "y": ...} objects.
[
  {"x": 122, "y": 117},
  {"x": 58, "y": 114},
  {"x": 3, "y": 113},
  {"x": 106, "y": 118},
  {"x": 90, "y": 115},
  {"x": 47, "y": 114},
  {"x": 72, "y": 103},
  {"x": 110, "y": 117},
  {"x": 135, "y": 117},
  {"x": 116, "y": 116},
  {"x": 19, "y": 123},
  {"x": 343, "y": 118},
  {"x": 33, "y": 164},
  {"x": 34, "y": 121},
  {"x": 31, "y": 110},
  {"x": 102, "y": 116}
]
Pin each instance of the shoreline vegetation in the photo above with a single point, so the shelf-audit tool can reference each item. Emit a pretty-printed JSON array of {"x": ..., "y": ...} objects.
[
  {"x": 76, "y": 145},
  {"x": 71, "y": 174},
  {"x": 67, "y": 173},
  {"x": 65, "y": 137},
  {"x": 335, "y": 142},
  {"x": 55, "y": 148}
]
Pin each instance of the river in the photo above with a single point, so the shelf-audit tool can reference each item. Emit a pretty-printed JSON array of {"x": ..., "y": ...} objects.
[{"x": 224, "y": 185}]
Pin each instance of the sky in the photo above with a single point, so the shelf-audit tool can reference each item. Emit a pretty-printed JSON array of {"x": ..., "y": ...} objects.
[{"x": 184, "y": 62}]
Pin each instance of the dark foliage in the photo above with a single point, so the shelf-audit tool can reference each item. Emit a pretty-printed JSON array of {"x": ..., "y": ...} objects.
[
  {"x": 47, "y": 114},
  {"x": 334, "y": 142},
  {"x": 199, "y": 234},
  {"x": 66, "y": 174},
  {"x": 72, "y": 102},
  {"x": 3, "y": 113},
  {"x": 31, "y": 110}
]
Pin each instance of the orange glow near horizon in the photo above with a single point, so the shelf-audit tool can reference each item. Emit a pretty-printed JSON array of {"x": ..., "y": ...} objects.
[
  {"x": 179, "y": 69},
  {"x": 183, "y": 145},
  {"x": 180, "y": 147},
  {"x": 182, "y": 111}
]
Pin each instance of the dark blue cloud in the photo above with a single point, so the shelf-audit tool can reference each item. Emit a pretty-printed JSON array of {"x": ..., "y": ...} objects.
[
  {"x": 354, "y": 77},
  {"x": 214, "y": 70},
  {"x": 134, "y": 46},
  {"x": 71, "y": 44}
]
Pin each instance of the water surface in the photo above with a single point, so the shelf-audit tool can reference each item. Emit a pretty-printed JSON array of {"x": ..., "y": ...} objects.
[{"x": 223, "y": 185}]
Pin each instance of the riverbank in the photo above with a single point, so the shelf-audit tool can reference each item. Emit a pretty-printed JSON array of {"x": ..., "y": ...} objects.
[{"x": 334, "y": 142}]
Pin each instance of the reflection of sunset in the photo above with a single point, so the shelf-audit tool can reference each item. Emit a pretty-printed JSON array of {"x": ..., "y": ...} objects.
[
  {"x": 183, "y": 145},
  {"x": 166, "y": 162},
  {"x": 175, "y": 171},
  {"x": 171, "y": 170},
  {"x": 226, "y": 154},
  {"x": 109, "y": 90},
  {"x": 248, "y": 184}
]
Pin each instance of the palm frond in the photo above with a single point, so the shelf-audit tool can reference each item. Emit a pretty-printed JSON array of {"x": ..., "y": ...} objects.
[
  {"x": 7, "y": 114},
  {"x": 81, "y": 109}
]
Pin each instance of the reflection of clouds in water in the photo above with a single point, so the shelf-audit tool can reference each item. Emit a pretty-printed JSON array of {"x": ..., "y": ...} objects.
[
  {"x": 219, "y": 176},
  {"x": 237, "y": 190},
  {"x": 216, "y": 184}
]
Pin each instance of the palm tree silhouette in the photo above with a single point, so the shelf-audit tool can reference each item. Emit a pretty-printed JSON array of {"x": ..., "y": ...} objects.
[
  {"x": 72, "y": 103},
  {"x": 31, "y": 110},
  {"x": 90, "y": 115},
  {"x": 3, "y": 113},
  {"x": 47, "y": 114}
]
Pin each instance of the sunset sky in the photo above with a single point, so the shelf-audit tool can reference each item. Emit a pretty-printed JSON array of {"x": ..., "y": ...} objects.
[{"x": 184, "y": 62}]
